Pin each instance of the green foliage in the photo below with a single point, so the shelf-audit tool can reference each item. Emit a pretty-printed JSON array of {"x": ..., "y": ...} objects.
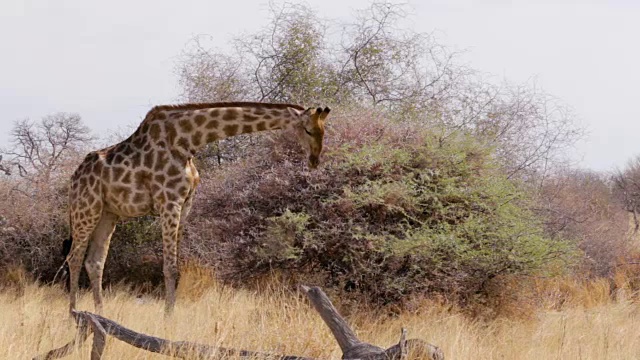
[
  {"x": 138, "y": 231},
  {"x": 281, "y": 236},
  {"x": 454, "y": 223}
]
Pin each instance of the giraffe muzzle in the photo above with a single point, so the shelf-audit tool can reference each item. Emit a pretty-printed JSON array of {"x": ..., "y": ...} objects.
[{"x": 313, "y": 161}]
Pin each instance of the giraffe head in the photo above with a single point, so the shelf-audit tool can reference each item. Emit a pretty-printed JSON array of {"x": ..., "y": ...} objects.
[{"x": 309, "y": 129}]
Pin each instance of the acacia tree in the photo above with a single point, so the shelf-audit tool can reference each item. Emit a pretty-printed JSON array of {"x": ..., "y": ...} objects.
[
  {"x": 384, "y": 65},
  {"x": 206, "y": 76},
  {"x": 530, "y": 130},
  {"x": 378, "y": 63},
  {"x": 40, "y": 148},
  {"x": 286, "y": 59}
]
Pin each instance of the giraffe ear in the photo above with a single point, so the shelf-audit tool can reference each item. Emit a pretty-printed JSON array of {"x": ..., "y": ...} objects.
[{"x": 295, "y": 112}]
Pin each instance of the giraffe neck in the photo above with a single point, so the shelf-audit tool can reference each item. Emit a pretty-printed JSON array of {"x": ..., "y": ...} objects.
[{"x": 190, "y": 129}]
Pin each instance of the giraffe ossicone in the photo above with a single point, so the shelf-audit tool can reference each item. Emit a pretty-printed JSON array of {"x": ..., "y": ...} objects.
[{"x": 152, "y": 172}]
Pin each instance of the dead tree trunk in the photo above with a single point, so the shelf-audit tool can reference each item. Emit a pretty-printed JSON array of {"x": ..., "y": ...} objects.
[{"x": 352, "y": 347}]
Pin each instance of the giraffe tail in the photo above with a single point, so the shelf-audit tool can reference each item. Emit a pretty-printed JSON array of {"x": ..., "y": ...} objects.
[{"x": 66, "y": 249}]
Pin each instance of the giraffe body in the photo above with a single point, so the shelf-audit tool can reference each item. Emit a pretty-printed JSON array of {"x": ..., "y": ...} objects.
[{"x": 152, "y": 172}]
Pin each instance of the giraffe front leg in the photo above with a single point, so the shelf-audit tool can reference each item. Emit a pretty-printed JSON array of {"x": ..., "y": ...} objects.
[{"x": 170, "y": 218}]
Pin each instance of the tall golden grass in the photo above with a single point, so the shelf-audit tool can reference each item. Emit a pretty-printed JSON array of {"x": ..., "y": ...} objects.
[{"x": 586, "y": 323}]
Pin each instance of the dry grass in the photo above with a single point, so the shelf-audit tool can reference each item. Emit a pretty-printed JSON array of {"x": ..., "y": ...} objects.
[{"x": 34, "y": 320}]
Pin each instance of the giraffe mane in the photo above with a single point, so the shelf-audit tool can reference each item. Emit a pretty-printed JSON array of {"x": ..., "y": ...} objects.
[{"x": 199, "y": 106}]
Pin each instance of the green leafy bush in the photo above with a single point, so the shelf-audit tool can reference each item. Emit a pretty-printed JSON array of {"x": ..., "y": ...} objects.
[{"x": 397, "y": 215}]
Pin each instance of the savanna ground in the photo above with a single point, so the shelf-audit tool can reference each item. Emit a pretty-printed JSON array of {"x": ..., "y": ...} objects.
[{"x": 587, "y": 323}]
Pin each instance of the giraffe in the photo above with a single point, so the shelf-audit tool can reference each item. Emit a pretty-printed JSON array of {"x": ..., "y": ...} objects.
[{"x": 152, "y": 172}]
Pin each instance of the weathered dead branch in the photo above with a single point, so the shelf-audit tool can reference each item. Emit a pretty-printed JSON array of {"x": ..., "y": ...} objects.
[{"x": 352, "y": 348}]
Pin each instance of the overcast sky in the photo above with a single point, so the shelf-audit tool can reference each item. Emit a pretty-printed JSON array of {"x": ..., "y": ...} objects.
[{"x": 110, "y": 61}]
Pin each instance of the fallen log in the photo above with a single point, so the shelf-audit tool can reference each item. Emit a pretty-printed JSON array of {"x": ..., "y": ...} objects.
[
  {"x": 101, "y": 327},
  {"x": 352, "y": 348}
]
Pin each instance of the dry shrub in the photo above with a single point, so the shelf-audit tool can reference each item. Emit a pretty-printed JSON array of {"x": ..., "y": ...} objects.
[
  {"x": 523, "y": 297},
  {"x": 36, "y": 222},
  {"x": 626, "y": 278},
  {"x": 195, "y": 281},
  {"x": 579, "y": 205},
  {"x": 15, "y": 278}
]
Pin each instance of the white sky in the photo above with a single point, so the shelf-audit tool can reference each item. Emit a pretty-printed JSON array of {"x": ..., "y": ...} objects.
[{"x": 112, "y": 60}]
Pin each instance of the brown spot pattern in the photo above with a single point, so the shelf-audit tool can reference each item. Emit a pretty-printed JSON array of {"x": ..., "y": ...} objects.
[
  {"x": 230, "y": 130},
  {"x": 142, "y": 177},
  {"x": 184, "y": 143},
  {"x": 148, "y": 160},
  {"x": 230, "y": 114},
  {"x": 116, "y": 173},
  {"x": 196, "y": 139},
  {"x": 171, "y": 132},
  {"x": 212, "y": 124},
  {"x": 211, "y": 137},
  {"x": 138, "y": 197},
  {"x": 127, "y": 177},
  {"x": 185, "y": 125},
  {"x": 161, "y": 160},
  {"x": 173, "y": 182},
  {"x": 199, "y": 120},
  {"x": 154, "y": 131},
  {"x": 173, "y": 170}
]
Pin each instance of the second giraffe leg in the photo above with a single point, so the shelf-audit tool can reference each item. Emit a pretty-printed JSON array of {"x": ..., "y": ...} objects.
[
  {"x": 170, "y": 218},
  {"x": 97, "y": 255}
]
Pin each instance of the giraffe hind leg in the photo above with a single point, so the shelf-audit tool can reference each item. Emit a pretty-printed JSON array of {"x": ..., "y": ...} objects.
[
  {"x": 81, "y": 230},
  {"x": 97, "y": 255},
  {"x": 81, "y": 235}
]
